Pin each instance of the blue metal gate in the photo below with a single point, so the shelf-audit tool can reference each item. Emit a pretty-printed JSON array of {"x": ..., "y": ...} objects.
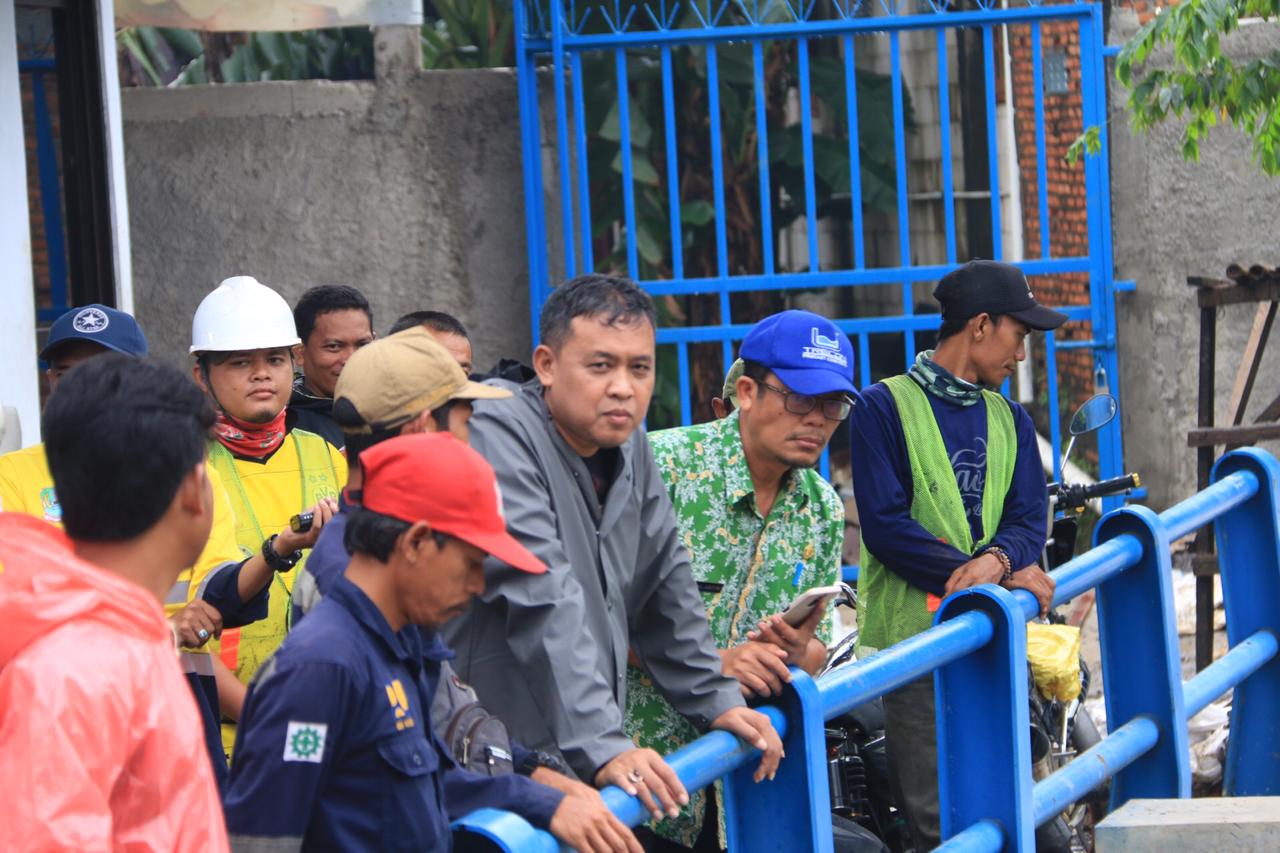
[{"x": 614, "y": 186}]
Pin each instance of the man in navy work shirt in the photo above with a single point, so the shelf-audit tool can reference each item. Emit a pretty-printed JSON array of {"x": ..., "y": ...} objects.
[
  {"x": 335, "y": 748},
  {"x": 951, "y": 494}
]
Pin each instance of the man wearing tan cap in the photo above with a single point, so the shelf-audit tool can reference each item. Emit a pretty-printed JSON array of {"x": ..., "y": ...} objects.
[
  {"x": 399, "y": 385},
  {"x": 403, "y": 384}
]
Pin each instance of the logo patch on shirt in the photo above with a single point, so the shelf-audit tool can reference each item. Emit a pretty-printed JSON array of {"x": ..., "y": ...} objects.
[
  {"x": 305, "y": 741},
  {"x": 49, "y": 503},
  {"x": 399, "y": 704},
  {"x": 823, "y": 348}
]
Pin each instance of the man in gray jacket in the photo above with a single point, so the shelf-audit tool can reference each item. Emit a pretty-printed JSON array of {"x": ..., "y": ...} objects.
[{"x": 581, "y": 491}]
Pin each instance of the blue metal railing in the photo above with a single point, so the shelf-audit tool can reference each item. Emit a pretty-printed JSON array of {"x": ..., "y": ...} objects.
[
  {"x": 703, "y": 45},
  {"x": 977, "y": 653}
]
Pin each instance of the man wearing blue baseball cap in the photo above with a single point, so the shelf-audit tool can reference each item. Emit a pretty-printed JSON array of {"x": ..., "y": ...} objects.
[
  {"x": 78, "y": 335},
  {"x": 760, "y": 523},
  {"x": 950, "y": 492}
]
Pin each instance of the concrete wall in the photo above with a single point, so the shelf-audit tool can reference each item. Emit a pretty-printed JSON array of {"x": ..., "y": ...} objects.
[
  {"x": 409, "y": 189},
  {"x": 1172, "y": 219}
]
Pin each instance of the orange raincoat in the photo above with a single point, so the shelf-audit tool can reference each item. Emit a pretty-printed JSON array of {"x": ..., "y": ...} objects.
[{"x": 100, "y": 742}]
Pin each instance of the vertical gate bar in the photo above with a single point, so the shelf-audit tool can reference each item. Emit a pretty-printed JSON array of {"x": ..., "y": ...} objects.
[
  {"x": 562, "y": 138},
  {"x": 584, "y": 176},
  {"x": 50, "y": 193},
  {"x": 993, "y": 150},
  {"x": 806, "y": 141},
  {"x": 944, "y": 120},
  {"x": 1111, "y": 434},
  {"x": 531, "y": 138},
  {"x": 762, "y": 157},
  {"x": 1042, "y": 172},
  {"x": 628, "y": 188},
  {"x": 1098, "y": 208},
  {"x": 1141, "y": 661},
  {"x": 864, "y": 361},
  {"x": 1055, "y": 415},
  {"x": 1249, "y": 551},
  {"x": 855, "y": 153},
  {"x": 904, "y": 213},
  {"x": 717, "y": 161},
  {"x": 673, "y": 167},
  {"x": 717, "y": 182},
  {"x": 682, "y": 367}
]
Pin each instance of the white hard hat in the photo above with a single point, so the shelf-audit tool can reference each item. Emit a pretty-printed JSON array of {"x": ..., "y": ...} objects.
[{"x": 242, "y": 314}]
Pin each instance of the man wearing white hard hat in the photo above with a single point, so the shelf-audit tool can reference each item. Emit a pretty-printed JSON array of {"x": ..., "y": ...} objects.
[{"x": 242, "y": 338}]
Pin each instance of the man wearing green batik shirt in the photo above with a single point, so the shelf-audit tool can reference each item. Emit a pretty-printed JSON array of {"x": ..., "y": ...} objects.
[{"x": 760, "y": 525}]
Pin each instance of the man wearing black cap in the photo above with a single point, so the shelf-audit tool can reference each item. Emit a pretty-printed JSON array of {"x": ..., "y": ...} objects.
[{"x": 951, "y": 495}]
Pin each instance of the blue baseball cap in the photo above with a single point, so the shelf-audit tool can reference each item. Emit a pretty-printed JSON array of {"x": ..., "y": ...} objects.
[
  {"x": 806, "y": 351},
  {"x": 101, "y": 325}
]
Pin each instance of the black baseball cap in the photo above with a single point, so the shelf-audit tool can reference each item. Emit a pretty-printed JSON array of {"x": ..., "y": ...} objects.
[{"x": 992, "y": 287}]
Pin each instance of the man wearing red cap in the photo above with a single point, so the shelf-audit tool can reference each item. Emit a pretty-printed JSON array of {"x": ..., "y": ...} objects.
[{"x": 340, "y": 716}]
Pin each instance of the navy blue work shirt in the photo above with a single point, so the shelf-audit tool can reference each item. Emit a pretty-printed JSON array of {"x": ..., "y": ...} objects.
[
  {"x": 335, "y": 748},
  {"x": 883, "y": 488},
  {"x": 326, "y": 564}
]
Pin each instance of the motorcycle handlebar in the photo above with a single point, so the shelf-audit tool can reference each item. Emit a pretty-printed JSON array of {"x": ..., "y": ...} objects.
[{"x": 1078, "y": 494}]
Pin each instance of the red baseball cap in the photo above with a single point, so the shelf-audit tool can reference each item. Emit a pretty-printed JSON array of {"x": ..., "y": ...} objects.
[{"x": 433, "y": 477}]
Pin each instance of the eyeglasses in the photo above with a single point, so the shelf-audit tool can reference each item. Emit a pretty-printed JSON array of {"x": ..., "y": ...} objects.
[{"x": 836, "y": 409}]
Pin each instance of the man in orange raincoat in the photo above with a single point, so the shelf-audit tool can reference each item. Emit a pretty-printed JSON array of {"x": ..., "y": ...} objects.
[{"x": 100, "y": 743}]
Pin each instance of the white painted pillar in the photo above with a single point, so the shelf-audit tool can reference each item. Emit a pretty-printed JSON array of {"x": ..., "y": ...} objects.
[
  {"x": 116, "y": 189},
  {"x": 19, "y": 382}
]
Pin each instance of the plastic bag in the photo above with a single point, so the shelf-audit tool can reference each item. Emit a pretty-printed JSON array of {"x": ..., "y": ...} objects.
[{"x": 1054, "y": 654}]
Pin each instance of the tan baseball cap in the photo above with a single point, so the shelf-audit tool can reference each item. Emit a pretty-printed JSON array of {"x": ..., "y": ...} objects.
[{"x": 392, "y": 380}]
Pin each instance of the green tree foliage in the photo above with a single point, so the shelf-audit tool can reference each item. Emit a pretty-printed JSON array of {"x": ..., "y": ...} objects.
[{"x": 1202, "y": 86}]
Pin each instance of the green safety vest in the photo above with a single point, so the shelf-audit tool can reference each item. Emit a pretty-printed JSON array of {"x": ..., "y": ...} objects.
[{"x": 890, "y": 609}]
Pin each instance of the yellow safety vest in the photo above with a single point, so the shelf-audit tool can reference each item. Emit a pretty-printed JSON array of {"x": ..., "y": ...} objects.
[{"x": 264, "y": 496}]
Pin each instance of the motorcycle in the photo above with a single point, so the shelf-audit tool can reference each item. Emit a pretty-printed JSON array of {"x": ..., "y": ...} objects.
[{"x": 864, "y": 816}]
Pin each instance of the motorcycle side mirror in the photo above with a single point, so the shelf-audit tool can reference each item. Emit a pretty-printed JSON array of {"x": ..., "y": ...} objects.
[{"x": 1096, "y": 413}]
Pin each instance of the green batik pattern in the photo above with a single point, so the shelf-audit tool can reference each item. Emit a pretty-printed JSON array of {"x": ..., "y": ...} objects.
[{"x": 729, "y": 543}]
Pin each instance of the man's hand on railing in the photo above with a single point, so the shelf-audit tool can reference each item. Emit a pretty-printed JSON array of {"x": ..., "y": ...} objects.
[
  {"x": 760, "y": 668},
  {"x": 801, "y": 644},
  {"x": 984, "y": 568},
  {"x": 754, "y": 728},
  {"x": 642, "y": 773},
  {"x": 1034, "y": 580},
  {"x": 583, "y": 823}
]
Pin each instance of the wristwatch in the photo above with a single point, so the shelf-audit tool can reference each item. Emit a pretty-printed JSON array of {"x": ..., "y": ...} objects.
[{"x": 276, "y": 562}]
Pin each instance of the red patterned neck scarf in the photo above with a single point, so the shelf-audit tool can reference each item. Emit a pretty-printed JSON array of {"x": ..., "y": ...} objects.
[{"x": 257, "y": 441}]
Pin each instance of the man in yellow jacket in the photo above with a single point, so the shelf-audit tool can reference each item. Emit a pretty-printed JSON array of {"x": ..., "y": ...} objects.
[
  {"x": 242, "y": 337},
  {"x": 220, "y": 589}
]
